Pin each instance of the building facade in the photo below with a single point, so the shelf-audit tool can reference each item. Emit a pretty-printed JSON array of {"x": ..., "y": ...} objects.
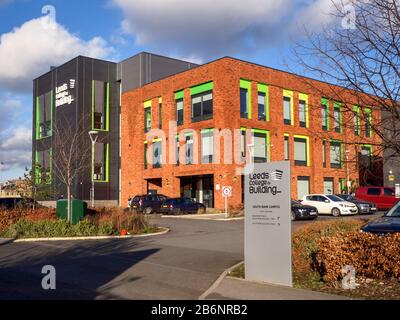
[
  {"x": 80, "y": 96},
  {"x": 191, "y": 133}
]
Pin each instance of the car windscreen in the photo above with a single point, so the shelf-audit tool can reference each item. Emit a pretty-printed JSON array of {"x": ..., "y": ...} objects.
[
  {"x": 394, "y": 212},
  {"x": 334, "y": 198}
]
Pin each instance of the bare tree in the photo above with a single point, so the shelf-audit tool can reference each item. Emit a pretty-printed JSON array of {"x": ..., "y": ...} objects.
[
  {"x": 69, "y": 155},
  {"x": 359, "y": 50}
]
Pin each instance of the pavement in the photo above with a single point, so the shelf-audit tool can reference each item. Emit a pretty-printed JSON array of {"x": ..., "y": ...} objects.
[{"x": 181, "y": 265}]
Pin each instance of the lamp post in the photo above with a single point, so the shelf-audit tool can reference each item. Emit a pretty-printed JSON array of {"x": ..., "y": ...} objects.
[
  {"x": 348, "y": 173},
  {"x": 94, "y": 135}
]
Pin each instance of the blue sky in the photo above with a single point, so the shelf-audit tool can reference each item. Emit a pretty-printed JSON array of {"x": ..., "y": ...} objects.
[{"x": 260, "y": 31}]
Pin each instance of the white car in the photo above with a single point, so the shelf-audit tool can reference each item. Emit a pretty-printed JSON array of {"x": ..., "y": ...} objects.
[{"x": 330, "y": 204}]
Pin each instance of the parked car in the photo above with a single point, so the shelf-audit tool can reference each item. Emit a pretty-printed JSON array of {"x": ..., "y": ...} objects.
[
  {"x": 148, "y": 204},
  {"x": 364, "y": 207},
  {"x": 389, "y": 223},
  {"x": 330, "y": 204},
  {"x": 302, "y": 212},
  {"x": 12, "y": 203},
  {"x": 384, "y": 198},
  {"x": 177, "y": 206}
]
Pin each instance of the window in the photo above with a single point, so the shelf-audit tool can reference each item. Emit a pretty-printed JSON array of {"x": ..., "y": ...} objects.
[
  {"x": 366, "y": 156},
  {"x": 101, "y": 92},
  {"x": 329, "y": 186},
  {"x": 324, "y": 153},
  {"x": 260, "y": 143},
  {"x": 374, "y": 192},
  {"x": 262, "y": 106},
  {"x": 147, "y": 119},
  {"x": 368, "y": 119},
  {"x": 357, "y": 121},
  {"x": 43, "y": 169},
  {"x": 337, "y": 119},
  {"x": 202, "y": 106},
  {"x": 388, "y": 192},
  {"x": 145, "y": 156},
  {"x": 100, "y": 169},
  {"x": 286, "y": 148},
  {"x": 179, "y": 112},
  {"x": 207, "y": 146},
  {"x": 303, "y": 187},
  {"x": 243, "y": 103},
  {"x": 287, "y": 110},
  {"x": 245, "y": 99},
  {"x": 177, "y": 160},
  {"x": 300, "y": 151},
  {"x": 336, "y": 155},
  {"x": 303, "y": 113},
  {"x": 243, "y": 145},
  {"x": 157, "y": 154},
  {"x": 44, "y": 111},
  {"x": 189, "y": 149},
  {"x": 325, "y": 114},
  {"x": 160, "y": 115}
]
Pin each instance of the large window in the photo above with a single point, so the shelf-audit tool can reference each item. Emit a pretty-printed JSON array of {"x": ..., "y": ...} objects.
[
  {"x": 366, "y": 156},
  {"x": 337, "y": 115},
  {"x": 43, "y": 167},
  {"x": 44, "y": 112},
  {"x": 329, "y": 186},
  {"x": 263, "y": 109},
  {"x": 260, "y": 144},
  {"x": 287, "y": 110},
  {"x": 202, "y": 106},
  {"x": 179, "y": 112},
  {"x": 245, "y": 99},
  {"x": 157, "y": 154},
  {"x": 100, "y": 169},
  {"x": 301, "y": 151},
  {"x": 336, "y": 154},
  {"x": 147, "y": 119},
  {"x": 207, "y": 146},
  {"x": 101, "y": 98}
]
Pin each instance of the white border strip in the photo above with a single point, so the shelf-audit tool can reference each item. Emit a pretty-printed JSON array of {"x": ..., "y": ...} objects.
[{"x": 166, "y": 230}]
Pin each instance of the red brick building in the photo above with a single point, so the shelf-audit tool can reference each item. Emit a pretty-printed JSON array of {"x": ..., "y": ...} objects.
[{"x": 266, "y": 115}]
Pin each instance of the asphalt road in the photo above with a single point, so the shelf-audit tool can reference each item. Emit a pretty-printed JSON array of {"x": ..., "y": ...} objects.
[{"x": 180, "y": 265}]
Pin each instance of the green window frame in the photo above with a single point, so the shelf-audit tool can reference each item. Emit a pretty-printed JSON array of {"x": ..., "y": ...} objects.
[
  {"x": 370, "y": 149},
  {"x": 264, "y": 90},
  {"x": 106, "y": 165},
  {"x": 38, "y": 131},
  {"x": 368, "y": 122},
  {"x": 202, "y": 98},
  {"x": 106, "y": 123},
  {"x": 246, "y": 85},
  {"x": 38, "y": 168},
  {"x": 179, "y": 97}
]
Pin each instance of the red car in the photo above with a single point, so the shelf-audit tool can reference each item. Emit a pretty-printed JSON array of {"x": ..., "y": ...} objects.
[{"x": 383, "y": 197}]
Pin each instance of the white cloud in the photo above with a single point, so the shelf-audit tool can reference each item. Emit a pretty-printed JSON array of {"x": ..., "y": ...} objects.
[
  {"x": 19, "y": 139},
  {"x": 203, "y": 28},
  {"x": 29, "y": 50},
  {"x": 15, "y": 149}
]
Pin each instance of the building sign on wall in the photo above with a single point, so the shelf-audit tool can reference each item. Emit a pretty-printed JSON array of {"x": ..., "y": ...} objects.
[
  {"x": 64, "y": 93},
  {"x": 268, "y": 240}
]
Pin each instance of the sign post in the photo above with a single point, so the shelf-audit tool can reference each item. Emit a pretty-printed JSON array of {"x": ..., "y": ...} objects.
[
  {"x": 226, "y": 193},
  {"x": 268, "y": 232}
]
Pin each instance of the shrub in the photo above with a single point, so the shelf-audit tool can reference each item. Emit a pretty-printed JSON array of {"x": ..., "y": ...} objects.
[
  {"x": 372, "y": 256},
  {"x": 9, "y": 217}
]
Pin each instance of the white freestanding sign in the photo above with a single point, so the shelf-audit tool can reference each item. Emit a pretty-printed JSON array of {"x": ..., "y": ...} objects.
[{"x": 268, "y": 232}]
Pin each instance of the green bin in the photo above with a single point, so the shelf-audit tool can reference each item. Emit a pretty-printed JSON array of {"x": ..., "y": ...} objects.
[{"x": 79, "y": 209}]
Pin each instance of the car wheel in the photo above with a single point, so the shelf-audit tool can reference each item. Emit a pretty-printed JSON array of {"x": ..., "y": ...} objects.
[
  {"x": 336, "y": 212},
  {"x": 148, "y": 210},
  {"x": 201, "y": 211},
  {"x": 293, "y": 216}
]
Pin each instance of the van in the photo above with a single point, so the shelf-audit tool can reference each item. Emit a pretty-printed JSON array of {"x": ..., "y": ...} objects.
[{"x": 383, "y": 197}]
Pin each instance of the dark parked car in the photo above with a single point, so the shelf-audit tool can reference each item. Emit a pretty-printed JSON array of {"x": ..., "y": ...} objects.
[
  {"x": 364, "y": 207},
  {"x": 389, "y": 223},
  {"x": 303, "y": 212},
  {"x": 176, "y": 206},
  {"x": 148, "y": 204},
  {"x": 12, "y": 203}
]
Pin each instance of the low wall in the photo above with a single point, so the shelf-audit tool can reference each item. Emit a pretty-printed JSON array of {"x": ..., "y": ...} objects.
[{"x": 98, "y": 203}]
